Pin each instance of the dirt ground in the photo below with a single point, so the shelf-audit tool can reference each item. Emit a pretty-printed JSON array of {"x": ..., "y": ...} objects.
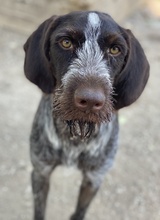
[{"x": 131, "y": 190}]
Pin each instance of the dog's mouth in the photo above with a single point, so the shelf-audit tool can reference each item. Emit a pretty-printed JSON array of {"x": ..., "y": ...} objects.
[{"x": 82, "y": 129}]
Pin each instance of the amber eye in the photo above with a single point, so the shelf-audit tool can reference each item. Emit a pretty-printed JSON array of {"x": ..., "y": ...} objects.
[
  {"x": 114, "y": 50},
  {"x": 66, "y": 43}
]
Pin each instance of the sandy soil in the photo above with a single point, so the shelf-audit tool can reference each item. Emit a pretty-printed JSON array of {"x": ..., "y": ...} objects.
[{"x": 131, "y": 190}]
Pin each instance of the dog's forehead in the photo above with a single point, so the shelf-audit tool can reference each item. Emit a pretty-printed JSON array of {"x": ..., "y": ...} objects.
[
  {"x": 97, "y": 19},
  {"x": 92, "y": 20}
]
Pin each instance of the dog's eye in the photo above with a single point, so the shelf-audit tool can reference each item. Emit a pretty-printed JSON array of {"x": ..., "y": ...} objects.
[
  {"x": 114, "y": 51},
  {"x": 66, "y": 43}
]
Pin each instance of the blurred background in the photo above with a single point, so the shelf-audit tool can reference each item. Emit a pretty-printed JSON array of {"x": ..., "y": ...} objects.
[{"x": 131, "y": 190}]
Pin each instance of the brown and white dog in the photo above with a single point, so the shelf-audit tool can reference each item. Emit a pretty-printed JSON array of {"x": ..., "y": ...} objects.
[{"x": 88, "y": 67}]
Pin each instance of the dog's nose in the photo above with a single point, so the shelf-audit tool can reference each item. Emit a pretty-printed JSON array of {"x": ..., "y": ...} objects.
[{"x": 89, "y": 99}]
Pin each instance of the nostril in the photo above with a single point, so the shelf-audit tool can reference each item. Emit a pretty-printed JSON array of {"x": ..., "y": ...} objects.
[
  {"x": 98, "y": 104},
  {"x": 83, "y": 102}
]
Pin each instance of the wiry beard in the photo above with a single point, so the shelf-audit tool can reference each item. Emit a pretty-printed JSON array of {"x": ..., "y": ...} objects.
[
  {"x": 81, "y": 123},
  {"x": 81, "y": 129}
]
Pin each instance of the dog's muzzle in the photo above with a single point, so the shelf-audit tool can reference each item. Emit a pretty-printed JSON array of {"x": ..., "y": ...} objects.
[{"x": 83, "y": 103}]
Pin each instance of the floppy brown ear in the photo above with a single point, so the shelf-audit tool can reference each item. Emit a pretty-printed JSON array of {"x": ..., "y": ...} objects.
[
  {"x": 130, "y": 83},
  {"x": 37, "y": 65}
]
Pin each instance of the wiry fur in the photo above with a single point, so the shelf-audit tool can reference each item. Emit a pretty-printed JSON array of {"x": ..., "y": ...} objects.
[{"x": 63, "y": 131}]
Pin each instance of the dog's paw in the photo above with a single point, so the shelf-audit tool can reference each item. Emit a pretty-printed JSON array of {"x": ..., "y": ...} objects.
[{"x": 79, "y": 216}]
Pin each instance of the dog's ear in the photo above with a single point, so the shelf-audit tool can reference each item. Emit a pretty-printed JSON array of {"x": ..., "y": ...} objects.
[
  {"x": 37, "y": 65},
  {"x": 130, "y": 83}
]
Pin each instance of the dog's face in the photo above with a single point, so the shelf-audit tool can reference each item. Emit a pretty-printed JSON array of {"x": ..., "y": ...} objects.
[
  {"x": 88, "y": 41},
  {"x": 90, "y": 64}
]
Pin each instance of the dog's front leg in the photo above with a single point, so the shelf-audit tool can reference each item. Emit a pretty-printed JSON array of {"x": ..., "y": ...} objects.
[
  {"x": 90, "y": 185},
  {"x": 40, "y": 187}
]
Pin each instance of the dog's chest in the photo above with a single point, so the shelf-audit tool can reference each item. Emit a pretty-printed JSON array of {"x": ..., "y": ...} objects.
[{"x": 70, "y": 150}]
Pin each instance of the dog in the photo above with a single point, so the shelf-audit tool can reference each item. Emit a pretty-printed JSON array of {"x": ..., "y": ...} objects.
[{"x": 88, "y": 67}]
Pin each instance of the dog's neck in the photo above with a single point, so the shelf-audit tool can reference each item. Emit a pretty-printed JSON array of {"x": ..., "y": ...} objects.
[{"x": 64, "y": 130}]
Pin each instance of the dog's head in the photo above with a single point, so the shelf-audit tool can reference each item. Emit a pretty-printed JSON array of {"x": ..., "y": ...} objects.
[{"x": 91, "y": 65}]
